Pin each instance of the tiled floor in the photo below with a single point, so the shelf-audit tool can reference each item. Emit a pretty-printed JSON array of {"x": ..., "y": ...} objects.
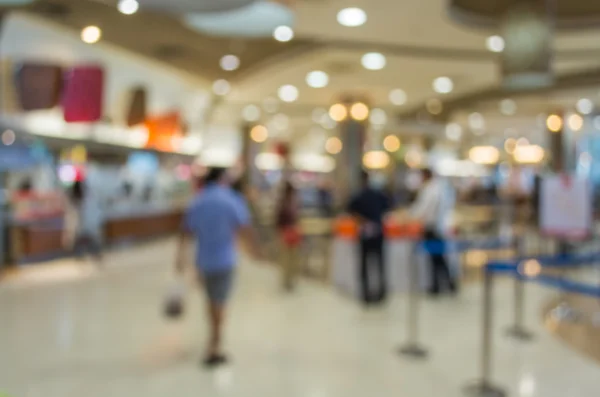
[{"x": 87, "y": 333}]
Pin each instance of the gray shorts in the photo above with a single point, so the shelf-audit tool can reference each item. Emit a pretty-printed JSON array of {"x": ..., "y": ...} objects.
[{"x": 218, "y": 286}]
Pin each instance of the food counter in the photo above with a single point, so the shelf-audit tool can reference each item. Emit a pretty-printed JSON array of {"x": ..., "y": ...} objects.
[{"x": 400, "y": 251}]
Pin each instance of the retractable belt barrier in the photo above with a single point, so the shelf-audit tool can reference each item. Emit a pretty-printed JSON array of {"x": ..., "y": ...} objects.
[{"x": 524, "y": 269}]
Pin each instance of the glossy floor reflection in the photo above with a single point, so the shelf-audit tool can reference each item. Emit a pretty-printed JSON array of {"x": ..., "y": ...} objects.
[{"x": 101, "y": 333}]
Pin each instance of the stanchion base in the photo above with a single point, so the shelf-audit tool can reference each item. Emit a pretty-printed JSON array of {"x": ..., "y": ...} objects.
[
  {"x": 520, "y": 334},
  {"x": 484, "y": 389},
  {"x": 414, "y": 351}
]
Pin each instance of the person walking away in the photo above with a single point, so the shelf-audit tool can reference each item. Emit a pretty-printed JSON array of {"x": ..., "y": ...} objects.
[
  {"x": 289, "y": 236},
  {"x": 433, "y": 208},
  {"x": 82, "y": 233},
  {"x": 215, "y": 218},
  {"x": 369, "y": 207}
]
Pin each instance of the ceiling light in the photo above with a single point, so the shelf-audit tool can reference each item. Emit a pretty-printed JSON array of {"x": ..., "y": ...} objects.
[
  {"x": 221, "y": 87},
  {"x": 443, "y": 85},
  {"x": 373, "y": 61},
  {"x": 230, "y": 62},
  {"x": 376, "y": 160},
  {"x": 509, "y": 145},
  {"x": 398, "y": 97},
  {"x": 270, "y": 105},
  {"x": 333, "y": 145},
  {"x": 288, "y": 93},
  {"x": 391, "y": 143},
  {"x": 317, "y": 79},
  {"x": 318, "y": 114},
  {"x": 575, "y": 122},
  {"x": 484, "y": 155},
  {"x": 454, "y": 131},
  {"x": 476, "y": 121},
  {"x": 8, "y": 137},
  {"x": 528, "y": 154},
  {"x": 414, "y": 158},
  {"x": 359, "y": 111},
  {"x": 128, "y": 7},
  {"x": 434, "y": 106},
  {"x": 251, "y": 113},
  {"x": 338, "y": 112},
  {"x": 283, "y": 33},
  {"x": 522, "y": 141},
  {"x": 495, "y": 43},
  {"x": 91, "y": 34},
  {"x": 352, "y": 17},
  {"x": 585, "y": 106},
  {"x": 554, "y": 123},
  {"x": 378, "y": 117},
  {"x": 508, "y": 107},
  {"x": 259, "y": 133}
]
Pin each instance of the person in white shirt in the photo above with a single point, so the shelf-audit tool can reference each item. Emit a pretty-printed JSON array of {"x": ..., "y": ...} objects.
[{"x": 433, "y": 208}]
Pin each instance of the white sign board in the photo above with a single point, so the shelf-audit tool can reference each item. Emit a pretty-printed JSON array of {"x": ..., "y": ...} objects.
[{"x": 566, "y": 206}]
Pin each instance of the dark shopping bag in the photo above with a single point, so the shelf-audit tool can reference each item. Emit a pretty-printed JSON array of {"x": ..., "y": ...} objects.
[{"x": 174, "y": 304}]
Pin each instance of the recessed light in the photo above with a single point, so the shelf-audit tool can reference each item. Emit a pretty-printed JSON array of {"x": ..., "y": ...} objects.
[
  {"x": 359, "y": 111},
  {"x": 259, "y": 133},
  {"x": 443, "y": 85},
  {"x": 378, "y": 117},
  {"x": 495, "y": 43},
  {"x": 128, "y": 7},
  {"x": 392, "y": 143},
  {"x": 585, "y": 106},
  {"x": 91, "y": 34},
  {"x": 251, "y": 113},
  {"x": 283, "y": 33},
  {"x": 288, "y": 93},
  {"x": 554, "y": 123},
  {"x": 230, "y": 62},
  {"x": 317, "y": 79},
  {"x": 221, "y": 87},
  {"x": 508, "y": 107},
  {"x": 454, "y": 131},
  {"x": 398, "y": 97},
  {"x": 333, "y": 145},
  {"x": 575, "y": 122},
  {"x": 338, "y": 112},
  {"x": 373, "y": 61},
  {"x": 352, "y": 17},
  {"x": 476, "y": 121}
]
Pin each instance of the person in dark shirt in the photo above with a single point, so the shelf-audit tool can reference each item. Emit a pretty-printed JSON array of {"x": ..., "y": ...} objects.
[{"x": 369, "y": 207}]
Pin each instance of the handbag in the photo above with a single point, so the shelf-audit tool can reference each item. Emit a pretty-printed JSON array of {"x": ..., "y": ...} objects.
[{"x": 174, "y": 304}]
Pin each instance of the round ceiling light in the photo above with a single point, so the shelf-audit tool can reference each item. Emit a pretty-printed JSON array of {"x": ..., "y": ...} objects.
[
  {"x": 317, "y": 79},
  {"x": 554, "y": 123},
  {"x": 359, "y": 111},
  {"x": 373, "y": 61},
  {"x": 288, "y": 93},
  {"x": 259, "y": 133},
  {"x": 454, "y": 131},
  {"x": 575, "y": 122},
  {"x": 256, "y": 19},
  {"x": 352, "y": 17},
  {"x": 508, "y": 107},
  {"x": 91, "y": 34},
  {"x": 338, "y": 112},
  {"x": 251, "y": 113},
  {"x": 476, "y": 121},
  {"x": 333, "y": 145},
  {"x": 230, "y": 62},
  {"x": 128, "y": 7},
  {"x": 585, "y": 106},
  {"x": 434, "y": 106},
  {"x": 221, "y": 87},
  {"x": 378, "y": 117},
  {"x": 392, "y": 143},
  {"x": 495, "y": 43},
  {"x": 398, "y": 97},
  {"x": 443, "y": 85},
  {"x": 283, "y": 33}
]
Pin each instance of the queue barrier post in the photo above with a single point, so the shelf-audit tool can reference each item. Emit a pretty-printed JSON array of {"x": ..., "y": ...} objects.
[
  {"x": 518, "y": 330},
  {"x": 412, "y": 348},
  {"x": 484, "y": 387}
]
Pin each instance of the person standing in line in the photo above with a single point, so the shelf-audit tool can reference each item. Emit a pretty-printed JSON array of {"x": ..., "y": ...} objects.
[
  {"x": 290, "y": 236},
  {"x": 369, "y": 207},
  {"x": 433, "y": 208},
  {"x": 215, "y": 218},
  {"x": 83, "y": 223}
]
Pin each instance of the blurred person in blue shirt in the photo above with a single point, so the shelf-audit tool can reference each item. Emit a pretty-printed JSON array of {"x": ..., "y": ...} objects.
[{"x": 215, "y": 218}]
